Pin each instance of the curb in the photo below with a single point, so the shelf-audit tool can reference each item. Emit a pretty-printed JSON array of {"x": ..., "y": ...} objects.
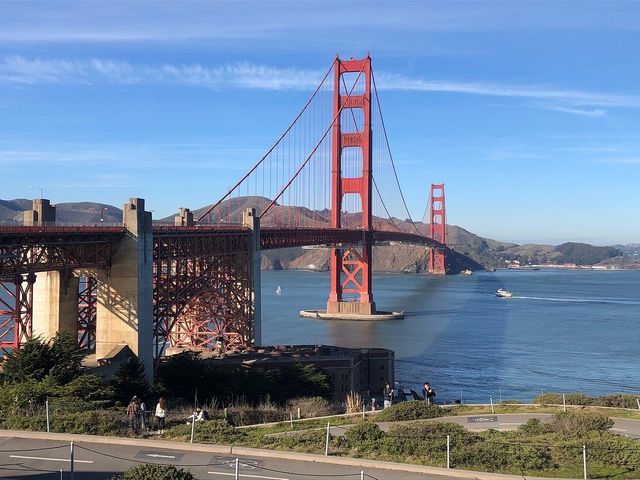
[{"x": 263, "y": 453}]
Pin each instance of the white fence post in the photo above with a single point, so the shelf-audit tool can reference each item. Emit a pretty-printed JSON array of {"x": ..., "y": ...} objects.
[
  {"x": 361, "y": 474},
  {"x": 46, "y": 405},
  {"x": 326, "y": 445},
  {"x": 291, "y": 420},
  {"x": 193, "y": 426},
  {"x": 638, "y": 402},
  {"x": 237, "y": 476},
  {"x": 299, "y": 416},
  {"x": 500, "y": 397},
  {"x": 584, "y": 460},
  {"x": 491, "y": 400},
  {"x": 564, "y": 403},
  {"x": 448, "y": 451}
]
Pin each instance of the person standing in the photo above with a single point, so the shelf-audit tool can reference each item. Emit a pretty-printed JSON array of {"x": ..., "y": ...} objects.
[
  {"x": 142, "y": 415},
  {"x": 161, "y": 414},
  {"x": 132, "y": 414},
  {"x": 387, "y": 393},
  {"x": 429, "y": 394}
]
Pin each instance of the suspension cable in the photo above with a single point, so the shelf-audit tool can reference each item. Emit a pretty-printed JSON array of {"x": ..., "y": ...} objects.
[
  {"x": 386, "y": 137},
  {"x": 210, "y": 209},
  {"x": 304, "y": 164}
]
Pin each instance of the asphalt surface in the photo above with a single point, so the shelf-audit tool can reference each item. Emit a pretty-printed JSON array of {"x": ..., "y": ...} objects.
[
  {"x": 32, "y": 459},
  {"x": 508, "y": 421},
  {"x": 25, "y": 459}
]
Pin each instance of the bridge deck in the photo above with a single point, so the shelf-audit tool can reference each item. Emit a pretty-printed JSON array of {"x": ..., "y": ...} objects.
[{"x": 44, "y": 248}]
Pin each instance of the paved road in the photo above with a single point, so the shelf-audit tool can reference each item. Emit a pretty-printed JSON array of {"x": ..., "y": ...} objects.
[
  {"x": 24, "y": 458},
  {"x": 505, "y": 421}
]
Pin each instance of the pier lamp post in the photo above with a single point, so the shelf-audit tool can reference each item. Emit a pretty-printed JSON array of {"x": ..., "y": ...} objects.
[{"x": 102, "y": 210}]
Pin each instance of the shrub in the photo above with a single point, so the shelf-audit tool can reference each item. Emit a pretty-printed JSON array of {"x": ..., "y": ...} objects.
[
  {"x": 213, "y": 431},
  {"x": 311, "y": 406},
  {"x": 363, "y": 432},
  {"x": 571, "y": 399},
  {"x": 100, "y": 422},
  {"x": 413, "y": 410},
  {"x": 155, "y": 472},
  {"x": 60, "y": 359},
  {"x": 311, "y": 441},
  {"x": 426, "y": 440},
  {"x": 580, "y": 423},
  {"x": 618, "y": 400},
  {"x": 241, "y": 413},
  {"x": 492, "y": 456},
  {"x": 533, "y": 427}
]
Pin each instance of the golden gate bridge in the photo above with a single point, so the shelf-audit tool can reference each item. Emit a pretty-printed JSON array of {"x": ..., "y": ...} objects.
[{"x": 329, "y": 180}]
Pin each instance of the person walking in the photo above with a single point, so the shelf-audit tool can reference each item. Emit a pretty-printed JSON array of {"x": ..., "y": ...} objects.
[
  {"x": 133, "y": 409},
  {"x": 161, "y": 414},
  {"x": 429, "y": 394},
  {"x": 142, "y": 415},
  {"x": 387, "y": 393}
]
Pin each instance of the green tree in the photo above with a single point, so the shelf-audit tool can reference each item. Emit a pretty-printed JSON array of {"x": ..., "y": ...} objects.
[
  {"x": 60, "y": 358},
  {"x": 129, "y": 380}
]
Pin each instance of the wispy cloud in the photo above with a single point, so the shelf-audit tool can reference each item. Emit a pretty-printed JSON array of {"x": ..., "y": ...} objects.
[
  {"x": 200, "y": 156},
  {"x": 571, "y": 97},
  {"x": 594, "y": 112},
  {"x": 18, "y": 70}
]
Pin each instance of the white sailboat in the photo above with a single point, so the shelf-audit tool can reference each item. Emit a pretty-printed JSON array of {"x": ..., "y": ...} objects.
[{"x": 278, "y": 290}]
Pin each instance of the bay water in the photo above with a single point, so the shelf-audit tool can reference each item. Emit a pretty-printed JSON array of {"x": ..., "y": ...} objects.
[{"x": 562, "y": 331}]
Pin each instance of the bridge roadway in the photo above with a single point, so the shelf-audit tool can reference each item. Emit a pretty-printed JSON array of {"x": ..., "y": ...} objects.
[{"x": 25, "y": 250}]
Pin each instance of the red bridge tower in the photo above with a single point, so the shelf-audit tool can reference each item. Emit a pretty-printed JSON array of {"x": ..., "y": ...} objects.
[
  {"x": 437, "y": 228},
  {"x": 351, "y": 267}
]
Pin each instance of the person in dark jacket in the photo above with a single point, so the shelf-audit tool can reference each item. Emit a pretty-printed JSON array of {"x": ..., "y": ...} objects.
[
  {"x": 429, "y": 394},
  {"x": 387, "y": 393}
]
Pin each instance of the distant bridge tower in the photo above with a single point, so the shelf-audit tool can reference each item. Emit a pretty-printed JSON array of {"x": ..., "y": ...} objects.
[
  {"x": 437, "y": 228},
  {"x": 351, "y": 267}
]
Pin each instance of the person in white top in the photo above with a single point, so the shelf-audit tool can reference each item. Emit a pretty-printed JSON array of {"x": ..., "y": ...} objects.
[{"x": 161, "y": 414}]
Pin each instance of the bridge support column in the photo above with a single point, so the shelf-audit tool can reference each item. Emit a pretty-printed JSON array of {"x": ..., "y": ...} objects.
[
  {"x": 250, "y": 219},
  {"x": 437, "y": 229},
  {"x": 351, "y": 267},
  {"x": 55, "y": 304},
  {"x": 125, "y": 291}
]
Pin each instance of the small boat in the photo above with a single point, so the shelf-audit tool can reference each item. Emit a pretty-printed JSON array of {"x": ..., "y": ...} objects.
[
  {"x": 278, "y": 290},
  {"x": 503, "y": 293},
  {"x": 467, "y": 272}
]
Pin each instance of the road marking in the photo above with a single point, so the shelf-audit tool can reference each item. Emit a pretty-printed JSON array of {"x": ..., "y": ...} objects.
[
  {"x": 618, "y": 429},
  {"x": 246, "y": 475},
  {"x": 489, "y": 419},
  {"x": 146, "y": 454},
  {"x": 157, "y": 455},
  {"x": 50, "y": 459},
  {"x": 517, "y": 423}
]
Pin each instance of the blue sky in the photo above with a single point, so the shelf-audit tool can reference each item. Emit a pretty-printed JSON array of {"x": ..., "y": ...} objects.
[{"x": 528, "y": 111}]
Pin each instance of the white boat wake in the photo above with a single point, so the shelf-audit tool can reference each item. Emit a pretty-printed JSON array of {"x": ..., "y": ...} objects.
[{"x": 581, "y": 300}]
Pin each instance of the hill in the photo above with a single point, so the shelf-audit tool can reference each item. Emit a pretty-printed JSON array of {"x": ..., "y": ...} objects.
[{"x": 74, "y": 213}]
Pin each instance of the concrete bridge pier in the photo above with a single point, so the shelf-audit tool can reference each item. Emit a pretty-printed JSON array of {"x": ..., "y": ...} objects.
[
  {"x": 55, "y": 304},
  {"x": 250, "y": 219},
  {"x": 125, "y": 291}
]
